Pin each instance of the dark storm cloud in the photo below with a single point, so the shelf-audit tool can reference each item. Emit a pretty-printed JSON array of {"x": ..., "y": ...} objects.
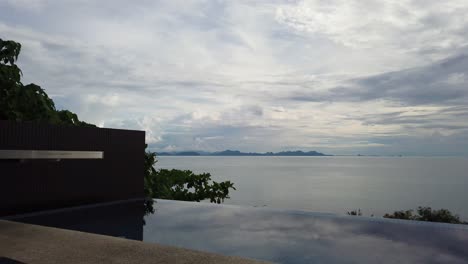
[
  {"x": 415, "y": 118},
  {"x": 442, "y": 83}
]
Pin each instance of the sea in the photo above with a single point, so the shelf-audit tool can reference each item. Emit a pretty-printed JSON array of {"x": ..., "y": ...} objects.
[{"x": 375, "y": 185}]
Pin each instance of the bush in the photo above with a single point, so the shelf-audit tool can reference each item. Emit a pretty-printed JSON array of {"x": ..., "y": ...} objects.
[
  {"x": 427, "y": 214},
  {"x": 355, "y": 213},
  {"x": 182, "y": 185}
]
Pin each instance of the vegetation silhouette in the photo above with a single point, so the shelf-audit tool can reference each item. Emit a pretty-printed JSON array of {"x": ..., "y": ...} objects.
[
  {"x": 182, "y": 185},
  {"x": 426, "y": 214},
  {"x": 30, "y": 102},
  {"x": 355, "y": 212}
]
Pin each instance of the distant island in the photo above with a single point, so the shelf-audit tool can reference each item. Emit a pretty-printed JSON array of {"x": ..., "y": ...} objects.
[{"x": 238, "y": 153}]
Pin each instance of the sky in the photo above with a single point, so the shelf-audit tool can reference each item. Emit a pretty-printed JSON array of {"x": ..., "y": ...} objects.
[{"x": 341, "y": 77}]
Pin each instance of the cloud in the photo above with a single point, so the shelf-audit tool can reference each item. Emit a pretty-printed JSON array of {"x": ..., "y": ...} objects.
[
  {"x": 336, "y": 76},
  {"x": 30, "y": 5},
  {"x": 407, "y": 26}
]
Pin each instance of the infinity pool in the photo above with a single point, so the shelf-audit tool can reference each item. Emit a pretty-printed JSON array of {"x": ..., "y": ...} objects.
[{"x": 276, "y": 235}]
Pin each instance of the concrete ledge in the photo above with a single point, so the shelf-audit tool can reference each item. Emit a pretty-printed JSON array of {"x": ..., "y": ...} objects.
[{"x": 33, "y": 244}]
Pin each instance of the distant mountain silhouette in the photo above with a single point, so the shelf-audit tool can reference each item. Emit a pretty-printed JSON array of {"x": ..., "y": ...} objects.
[
  {"x": 238, "y": 153},
  {"x": 182, "y": 153}
]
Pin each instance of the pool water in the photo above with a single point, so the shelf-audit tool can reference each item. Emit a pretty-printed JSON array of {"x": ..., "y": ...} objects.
[{"x": 277, "y": 235}]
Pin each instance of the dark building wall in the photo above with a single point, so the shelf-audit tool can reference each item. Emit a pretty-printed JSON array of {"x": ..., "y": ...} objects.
[{"x": 32, "y": 185}]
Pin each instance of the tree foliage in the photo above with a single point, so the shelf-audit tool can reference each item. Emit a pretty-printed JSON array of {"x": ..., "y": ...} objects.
[
  {"x": 30, "y": 102},
  {"x": 355, "y": 212},
  {"x": 182, "y": 185},
  {"x": 187, "y": 186},
  {"x": 9, "y": 52},
  {"x": 150, "y": 173},
  {"x": 427, "y": 214}
]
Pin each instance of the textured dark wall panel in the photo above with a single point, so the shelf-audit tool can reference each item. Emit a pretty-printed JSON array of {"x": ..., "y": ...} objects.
[{"x": 32, "y": 185}]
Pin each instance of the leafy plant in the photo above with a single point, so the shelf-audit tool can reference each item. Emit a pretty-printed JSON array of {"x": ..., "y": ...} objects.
[
  {"x": 182, "y": 184},
  {"x": 150, "y": 173},
  {"x": 422, "y": 214},
  {"x": 30, "y": 102},
  {"x": 427, "y": 214},
  {"x": 355, "y": 213},
  {"x": 187, "y": 186}
]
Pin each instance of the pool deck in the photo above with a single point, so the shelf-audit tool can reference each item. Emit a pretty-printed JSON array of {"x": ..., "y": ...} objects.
[{"x": 26, "y": 243}]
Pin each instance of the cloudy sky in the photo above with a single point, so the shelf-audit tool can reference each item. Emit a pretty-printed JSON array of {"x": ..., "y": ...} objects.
[{"x": 337, "y": 76}]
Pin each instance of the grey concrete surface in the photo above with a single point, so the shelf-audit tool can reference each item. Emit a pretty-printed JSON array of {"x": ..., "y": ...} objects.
[{"x": 34, "y": 244}]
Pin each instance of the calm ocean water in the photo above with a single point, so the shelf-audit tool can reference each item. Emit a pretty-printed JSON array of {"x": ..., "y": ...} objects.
[{"x": 376, "y": 185}]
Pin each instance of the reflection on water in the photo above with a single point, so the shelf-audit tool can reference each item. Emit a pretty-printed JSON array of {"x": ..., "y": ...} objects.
[
  {"x": 113, "y": 219},
  {"x": 149, "y": 208},
  {"x": 268, "y": 234},
  {"x": 301, "y": 237}
]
